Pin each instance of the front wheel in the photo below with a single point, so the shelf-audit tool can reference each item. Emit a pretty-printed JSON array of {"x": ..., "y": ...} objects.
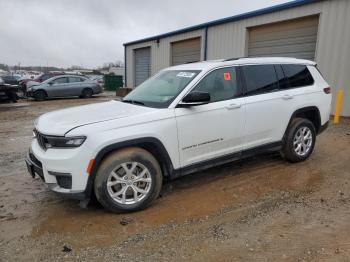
[
  {"x": 39, "y": 95},
  {"x": 128, "y": 180},
  {"x": 299, "y": 140}
]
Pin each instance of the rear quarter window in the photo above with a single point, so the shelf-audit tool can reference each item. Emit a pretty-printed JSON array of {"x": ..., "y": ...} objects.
[{"x": 297, "y": 75}]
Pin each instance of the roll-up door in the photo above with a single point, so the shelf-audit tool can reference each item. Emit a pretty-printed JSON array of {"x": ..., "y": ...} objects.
[
  {"x": 186, "y": 51},
  {"x": 293, "y": 38},
  {"x": 142, "y": 65}
]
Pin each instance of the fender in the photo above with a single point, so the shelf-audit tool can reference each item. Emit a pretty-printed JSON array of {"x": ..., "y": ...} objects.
[
  {"x": 151, "y": 144},
  {"x": 40, "y": 90},
  {"x": 303, "y": 112}
]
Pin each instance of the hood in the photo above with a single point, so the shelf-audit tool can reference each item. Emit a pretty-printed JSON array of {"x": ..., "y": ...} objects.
[
  {"x": 32, "y": 83},
  {"x": 62, "y": 121}
]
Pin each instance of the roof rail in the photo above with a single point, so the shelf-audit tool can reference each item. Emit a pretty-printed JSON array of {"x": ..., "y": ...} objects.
[{"x": 234, "y": 58}]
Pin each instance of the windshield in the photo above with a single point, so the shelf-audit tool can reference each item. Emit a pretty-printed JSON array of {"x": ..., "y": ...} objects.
[{"x": 160, "y": 90}]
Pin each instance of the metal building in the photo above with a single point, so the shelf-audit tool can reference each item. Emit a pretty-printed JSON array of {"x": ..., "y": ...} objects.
[{"x": 312, "y": 29}]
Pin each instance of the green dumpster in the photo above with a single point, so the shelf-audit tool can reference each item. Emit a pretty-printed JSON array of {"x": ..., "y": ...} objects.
[{"x": 113, "y": 82}]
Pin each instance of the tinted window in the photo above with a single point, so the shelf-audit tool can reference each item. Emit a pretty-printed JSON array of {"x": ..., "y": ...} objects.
[
  {"x": 75, "y": 79},
  {"x": 9, "y": 78},
  {"x": 61, "y": 80},
  {"x": 282, "y": 79},
  {"x": 221, "y": 84},
  {"x": 260, "y": 79},
  {"x": 298, "y": 75},
  {"x": 45, "y": 77}
]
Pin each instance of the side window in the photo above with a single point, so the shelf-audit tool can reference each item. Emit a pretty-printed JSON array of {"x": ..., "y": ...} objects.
[
  {"x": 298, "y": 75},
  {"x": 61, "y": 80},
  {"x": 221, "y": 84},
  {"x": 74, "y": 79},
  {"x": 282, "y": 79},
  {"x": 45, "y": 77},
  {"x": 260, "y": 79}
]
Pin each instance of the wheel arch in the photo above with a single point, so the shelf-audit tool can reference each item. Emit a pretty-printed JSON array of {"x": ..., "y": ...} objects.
[
  {"x": 87, "y": 88},
  {"x": 311, "y": 113},
  {"x": 151, "y": 144},
  {"x": 41, "y": 90}
]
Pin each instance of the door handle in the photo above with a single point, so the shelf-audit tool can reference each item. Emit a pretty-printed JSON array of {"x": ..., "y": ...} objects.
[
  {"x": 233, "y": 106},
  {"x": 287, "y": 97}
]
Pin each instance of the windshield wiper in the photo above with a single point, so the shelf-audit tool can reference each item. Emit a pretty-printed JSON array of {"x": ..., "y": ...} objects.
[{"x": 134, "y": 102}]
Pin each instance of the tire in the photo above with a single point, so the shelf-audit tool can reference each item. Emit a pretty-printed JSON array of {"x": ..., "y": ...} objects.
[
  {"x": 297, "y": 147},
  {"x": 40, "y": 95},
  {"x": 118, "y": 161},
  {"x": 12, "y": 96},
  {"x": 87, "y": 93}
]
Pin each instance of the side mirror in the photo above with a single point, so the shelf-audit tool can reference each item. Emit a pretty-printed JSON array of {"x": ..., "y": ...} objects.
[{"x": 195, "y": 98}]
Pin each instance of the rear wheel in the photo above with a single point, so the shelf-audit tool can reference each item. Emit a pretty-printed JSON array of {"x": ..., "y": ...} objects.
[
  {"x": 128, "y": 180},
  {"x": 86, "y": 93},
  {"x": 299, "y": 141},
  {"x": 39, "y": 95}
]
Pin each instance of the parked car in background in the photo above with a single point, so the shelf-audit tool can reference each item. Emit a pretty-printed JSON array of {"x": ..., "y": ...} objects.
[
  {"x": 64, "y": 86},
  {"x": 8, "y": 91},
  {"x": 10, "y": 79},
  {"x": 182, "y": 120},
  {"x": 98, "y": 79},
  {"x": 26, "y": 83}
]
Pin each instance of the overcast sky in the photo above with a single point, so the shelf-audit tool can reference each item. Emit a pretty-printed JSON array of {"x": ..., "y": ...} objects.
[{"x": 91, "y": 32}]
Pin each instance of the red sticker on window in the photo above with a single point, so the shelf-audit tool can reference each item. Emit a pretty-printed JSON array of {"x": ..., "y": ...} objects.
[{"x": 227, "y": 76}]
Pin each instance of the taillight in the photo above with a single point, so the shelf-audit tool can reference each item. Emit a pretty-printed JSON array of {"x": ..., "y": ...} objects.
[{"x": 327, "y": 90}]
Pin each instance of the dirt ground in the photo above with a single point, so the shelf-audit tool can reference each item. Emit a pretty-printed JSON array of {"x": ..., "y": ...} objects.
[{"x": 262, "y": 208}]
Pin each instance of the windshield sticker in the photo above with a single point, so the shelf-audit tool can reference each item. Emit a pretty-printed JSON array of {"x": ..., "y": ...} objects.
[
  {"x": 185, "y": 74},
  {"x": 227, "y": 76}
]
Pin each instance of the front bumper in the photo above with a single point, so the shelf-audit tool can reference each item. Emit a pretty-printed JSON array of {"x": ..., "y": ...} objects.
[
  {"x": 63, "y": 170},
  {"x": 30, "y": 93},
  {"x": 34, "y": 166}
]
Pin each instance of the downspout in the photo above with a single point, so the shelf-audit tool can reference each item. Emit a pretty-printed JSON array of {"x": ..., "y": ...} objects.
[
  {"x": 205, "y": 42},
  {"x": 125, "y": 75}
]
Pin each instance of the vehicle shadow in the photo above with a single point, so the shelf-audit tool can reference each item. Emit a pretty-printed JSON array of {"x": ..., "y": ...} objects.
[{"x": 244, "y": 168}]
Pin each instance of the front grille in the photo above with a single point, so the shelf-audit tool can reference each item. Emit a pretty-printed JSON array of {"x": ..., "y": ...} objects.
[{"x": 42, "y": 140}]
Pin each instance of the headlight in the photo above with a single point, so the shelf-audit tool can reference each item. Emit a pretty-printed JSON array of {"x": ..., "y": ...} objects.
[{"x": 52, "y": 142}]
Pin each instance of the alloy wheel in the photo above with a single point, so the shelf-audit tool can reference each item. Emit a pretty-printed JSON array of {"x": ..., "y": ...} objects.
[
  {"x": 302, "y": 141},
  {"x": 129, "y": 183}
]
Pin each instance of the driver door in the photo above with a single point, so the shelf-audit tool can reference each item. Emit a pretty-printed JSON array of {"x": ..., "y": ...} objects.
[
  {"x": 212, "y": 130},
  {"x": 58, "y": 87}
]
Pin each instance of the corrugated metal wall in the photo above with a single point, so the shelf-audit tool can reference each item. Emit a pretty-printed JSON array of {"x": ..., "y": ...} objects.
[
  {"x": 160, "y": 53},
  {"x": 231, "y": 40},
  {"x": 332, "y": 51}
]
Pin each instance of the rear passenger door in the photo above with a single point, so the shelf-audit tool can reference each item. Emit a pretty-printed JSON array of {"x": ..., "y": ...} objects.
[
  {"x": 75, "y": 85},
  {"x": 273, "y": 94},
  {"x": 267, "y": 109}
]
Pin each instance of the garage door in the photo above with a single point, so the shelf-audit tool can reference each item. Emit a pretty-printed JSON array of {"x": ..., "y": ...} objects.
[
  {"x": 186, "y": 51},
  {"x": 142, "y": 65},
  {"x": 293, "y": 38}
]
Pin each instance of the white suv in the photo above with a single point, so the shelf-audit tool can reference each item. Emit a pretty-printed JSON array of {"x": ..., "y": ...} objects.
[{"x": 184, "y": 119}]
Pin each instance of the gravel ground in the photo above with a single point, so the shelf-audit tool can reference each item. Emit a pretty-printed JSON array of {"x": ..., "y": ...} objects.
[{"x": 261, "y": 208}]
